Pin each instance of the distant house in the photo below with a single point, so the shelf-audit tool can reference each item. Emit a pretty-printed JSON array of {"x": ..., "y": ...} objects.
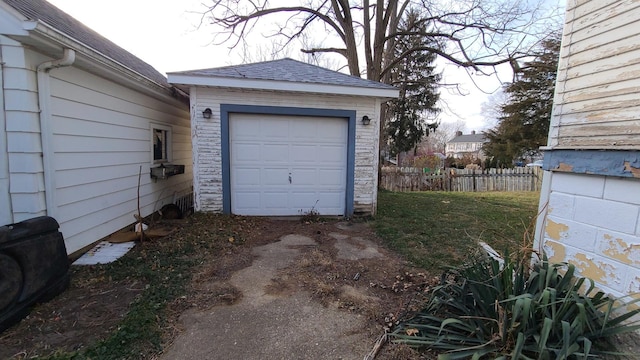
[
  {"x": 284, "y": 137},
  {"x": 79, "y": 118},
  {"x": 590, "y": 202},
  {"x": 466, "y": 145}
]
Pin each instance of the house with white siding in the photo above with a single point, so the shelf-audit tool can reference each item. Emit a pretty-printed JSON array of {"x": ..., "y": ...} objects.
[
  {"x": 466, "y": 145},
  {"x": 590, "y": 201},
  {"x": 80, "y": 119},
  {"x": 284, "y": 138}
]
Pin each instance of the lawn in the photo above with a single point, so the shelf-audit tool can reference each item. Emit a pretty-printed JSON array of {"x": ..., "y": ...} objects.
[{"x": 438, "y": 229}]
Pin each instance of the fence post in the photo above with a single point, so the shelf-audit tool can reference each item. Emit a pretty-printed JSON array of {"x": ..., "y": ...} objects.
[{"x": 473, "y": 178}]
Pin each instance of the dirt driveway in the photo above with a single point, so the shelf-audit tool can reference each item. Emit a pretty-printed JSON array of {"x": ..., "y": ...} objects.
[{"x": 290, "y": 290}]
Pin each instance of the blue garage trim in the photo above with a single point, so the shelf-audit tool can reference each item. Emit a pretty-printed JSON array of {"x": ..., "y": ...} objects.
[
  {"x": 623, "y": 163},
  {"x": 227, "y": 109}
]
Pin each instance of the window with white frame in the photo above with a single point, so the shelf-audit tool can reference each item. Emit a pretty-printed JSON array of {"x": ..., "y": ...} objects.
[{"x": 160, "y": 143}]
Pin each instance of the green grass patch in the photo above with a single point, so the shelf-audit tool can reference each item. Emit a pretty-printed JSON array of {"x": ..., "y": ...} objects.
[{"x": 435, "y": 230}]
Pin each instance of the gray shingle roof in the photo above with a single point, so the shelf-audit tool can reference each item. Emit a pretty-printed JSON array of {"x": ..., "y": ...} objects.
[
  {"x": 63, "y": 22},
  {"x": 469, "y": 138},
  {"x": 286, "y": 70}
]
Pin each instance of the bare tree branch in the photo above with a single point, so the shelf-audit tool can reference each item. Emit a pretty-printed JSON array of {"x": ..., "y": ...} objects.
[{"x": 342, "y": 52}]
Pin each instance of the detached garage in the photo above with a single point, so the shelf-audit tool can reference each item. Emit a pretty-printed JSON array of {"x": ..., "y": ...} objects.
[{"x": 283, "y": 138}]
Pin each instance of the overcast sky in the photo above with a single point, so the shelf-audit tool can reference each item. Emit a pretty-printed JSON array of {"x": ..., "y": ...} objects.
[{"x": 165, "y": 34}]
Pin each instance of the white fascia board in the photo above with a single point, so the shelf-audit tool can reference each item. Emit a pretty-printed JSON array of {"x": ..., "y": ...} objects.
[{"x": 275, "y": 85}]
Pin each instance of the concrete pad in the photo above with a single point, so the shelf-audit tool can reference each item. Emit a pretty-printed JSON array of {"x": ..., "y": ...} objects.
[
  {"x": 263, "y": 326},
  {"x": 292, "y": 327},
  {"x": 356, "y": 248},
  {"x": 338, "y": 236}
]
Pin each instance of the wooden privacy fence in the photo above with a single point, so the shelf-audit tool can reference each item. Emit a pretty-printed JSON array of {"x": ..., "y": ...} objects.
[{"x": 415, "y": 179}]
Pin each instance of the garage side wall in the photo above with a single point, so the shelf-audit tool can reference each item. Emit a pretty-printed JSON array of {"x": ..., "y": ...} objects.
[{"x": 208, "y": 149}]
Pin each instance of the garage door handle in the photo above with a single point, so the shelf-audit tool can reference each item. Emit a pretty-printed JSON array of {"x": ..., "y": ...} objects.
[{"x": 289, "y": 178}]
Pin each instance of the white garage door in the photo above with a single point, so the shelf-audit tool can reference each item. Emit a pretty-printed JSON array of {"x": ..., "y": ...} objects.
[{"x": 287, "y": 165}]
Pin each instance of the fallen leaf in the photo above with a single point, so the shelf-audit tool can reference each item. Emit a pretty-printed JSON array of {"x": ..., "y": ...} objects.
[
  {"x": 412, "y": 332},
  {"x": 231, "y": 239}
]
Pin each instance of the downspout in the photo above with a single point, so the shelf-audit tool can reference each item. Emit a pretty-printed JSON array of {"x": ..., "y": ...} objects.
[
  {"x": 46, "y": 134},
  {"x": 4, "y": 151}
]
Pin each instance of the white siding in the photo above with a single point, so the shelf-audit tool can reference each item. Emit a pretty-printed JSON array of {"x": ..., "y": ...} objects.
[
  {"x": 207, "y": 139},
  {"x": 23, "y": 148},
  {"x": 596, "y": 103},
  {"x": 101, "y": 139}
]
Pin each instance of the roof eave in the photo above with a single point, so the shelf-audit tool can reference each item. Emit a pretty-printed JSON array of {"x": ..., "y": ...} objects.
[
  {"x": 275, "y": 85},
  {"x": 43, "y": 35}
]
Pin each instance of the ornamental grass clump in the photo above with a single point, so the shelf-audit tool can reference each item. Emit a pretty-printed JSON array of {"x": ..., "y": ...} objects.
[{"x": 486, "y": 309}]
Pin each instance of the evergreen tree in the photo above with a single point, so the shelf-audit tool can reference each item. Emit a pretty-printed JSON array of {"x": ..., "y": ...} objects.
[
  {"x": 415, "y": 76},
  {"x": 524, "y": 124}
]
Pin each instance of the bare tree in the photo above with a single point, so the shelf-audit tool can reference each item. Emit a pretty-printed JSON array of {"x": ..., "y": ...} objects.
[
  {"x": 492, "y": 108},
  {"x": 436, "y": 141},
  {"x": 476, "y": 34},
  {"x": 263, "y": 52}
]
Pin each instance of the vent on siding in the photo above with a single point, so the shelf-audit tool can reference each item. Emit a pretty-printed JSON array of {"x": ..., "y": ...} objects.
[{"x": 184, "y": 202}]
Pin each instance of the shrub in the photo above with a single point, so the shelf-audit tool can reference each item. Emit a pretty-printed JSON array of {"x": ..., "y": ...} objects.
[{"x": 514, "y": 311}]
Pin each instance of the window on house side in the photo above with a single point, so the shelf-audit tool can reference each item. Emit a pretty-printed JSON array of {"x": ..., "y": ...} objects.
[{"x": 161, "y": 141}]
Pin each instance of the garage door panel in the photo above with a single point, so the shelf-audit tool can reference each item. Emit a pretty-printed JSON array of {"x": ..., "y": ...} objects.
[
  {"x": 312, "y": 150},
  {"x": 275, "y": 176},
  {"x": 332, "y": 154},
  {"x": 334, "y": 199},
  {"x": 303, "y": 199},
  {"x": 246, "y": 152},
  {"x": 304, "y": 153},
  {"x": 331, "y": 177},
  {"x": 304, "y": 177},
  {"x": 304, "y": 129},
  {"x": 333, "y": 130},
  {"x": 276, "y": 200},
  {"x": 274, "y": 152},
  {"x": 317, "y": 200},
  {"x": 247, "y": 176},
  {"x": 248, "y": 128},
  {"x": 273, "y": 128},
  {"x": 247, "y": 200}
]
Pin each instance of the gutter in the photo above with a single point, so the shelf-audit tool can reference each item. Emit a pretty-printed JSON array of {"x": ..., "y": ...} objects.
[
  {"x": 46, "y": 133},
  {"x": 44, "y": 34}
]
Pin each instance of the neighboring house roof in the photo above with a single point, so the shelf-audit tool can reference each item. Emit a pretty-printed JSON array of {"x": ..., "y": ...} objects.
[
  {"x": 45, "y": 12},
  {"x": 285, "y": 74},
  {"x": 471, "y": 138}
]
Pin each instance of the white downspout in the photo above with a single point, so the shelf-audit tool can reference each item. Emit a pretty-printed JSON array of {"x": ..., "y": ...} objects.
[
  {"x": 46, "y": 134},
  {"x": 4, "y": 150}
]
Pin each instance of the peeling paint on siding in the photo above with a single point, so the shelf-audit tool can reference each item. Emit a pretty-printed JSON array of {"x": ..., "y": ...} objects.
[
  {"x": 564, "y": 167},
  {"x": 557, "y": 252},
  {"x": 589, "y": 268},
  {"x": 634, "y": 170},
  {"x": 618, "y": 249},
  {"x": 554, "y": 230},
  {"x": 621, "y": 163}
]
